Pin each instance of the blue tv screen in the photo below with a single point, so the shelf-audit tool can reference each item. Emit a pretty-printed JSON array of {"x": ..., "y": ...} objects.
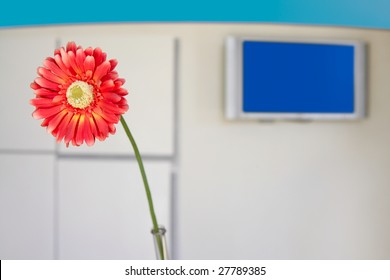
[
  {"x": 298, "y": 77},
  {"x": 289, "y": 77}
]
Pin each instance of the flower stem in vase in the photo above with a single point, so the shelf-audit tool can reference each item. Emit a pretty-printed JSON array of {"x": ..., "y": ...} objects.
[{"x": 158, "y": 237}]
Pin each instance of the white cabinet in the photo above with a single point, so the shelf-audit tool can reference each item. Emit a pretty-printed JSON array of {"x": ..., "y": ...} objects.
[
  {"x": 26, "y": 206},
  {"x": 21, "y": 52},
  {"x": 26, "y": 152},
  {"x": 103, "y": 208}
]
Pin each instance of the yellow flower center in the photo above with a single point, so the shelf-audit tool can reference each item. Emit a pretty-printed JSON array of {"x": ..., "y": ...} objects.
[{"x": 80, "y": 94}]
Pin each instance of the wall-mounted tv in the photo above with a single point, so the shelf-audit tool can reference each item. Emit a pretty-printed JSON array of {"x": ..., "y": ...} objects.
[{"x": 294, "y": 79}]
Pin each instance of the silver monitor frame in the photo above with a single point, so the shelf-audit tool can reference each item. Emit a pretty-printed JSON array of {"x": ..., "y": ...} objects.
[{"x": 233, "y": 81}]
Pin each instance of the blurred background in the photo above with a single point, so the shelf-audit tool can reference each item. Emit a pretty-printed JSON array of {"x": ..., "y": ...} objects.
[{"x": 223, "y": 189}]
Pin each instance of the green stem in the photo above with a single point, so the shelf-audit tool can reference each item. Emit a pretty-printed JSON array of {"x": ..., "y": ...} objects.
[{"x": 146, "y": 185}]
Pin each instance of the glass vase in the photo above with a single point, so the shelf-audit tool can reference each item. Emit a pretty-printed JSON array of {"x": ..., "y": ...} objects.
[{"x": 160, "y": 243}]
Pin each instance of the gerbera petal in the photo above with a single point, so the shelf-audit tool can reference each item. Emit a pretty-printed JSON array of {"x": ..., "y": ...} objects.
[
  {"x": 62, "y": 127},
  {"x": 121, "y": 91},
  {"x": 88, "y": 51},
  {"x": 113, "y": 63},
  {"x": 123, "y": 109},
  {"x": 112, "y": 128},
  {"x": 61, "y": 65},
  {"x": 122, "y": 102},
  {"x": 71, "y": 46},
  {"x": 98, "y": 54},
  {"x": 89, "y": 66},
  {"x": 65, "y": 58},
  {"x": 107, "y": 107},
  {"x": 92, "y": 124},
  {"x": 70, "y": 133},
  {"x": 72, "y": 62},
  {"x": 122, "y": 106},
  {"x": 101, "y": 70},
  {"x": 88, "y": 135},
  {"x": 113, "y": 97},
  {"x": 80, "y": 131},
  {"x": 42, "y": 102},
  {"x": 53, "y": 67},
  {"x": 107, "y": 85},
  {"x": 47, "y": 84},
  {"x": 101, "y": 125},
  {"x": 112, "y": 75},
  {"x": 35, "y": 86},
  {"x": 119, "y": 82},
  {"x": 46, "y": 121},
  {"x": 104, "y": 56},
  {"x": 59, "y": 98},
  {"x": 56, "y": 121},
  {"x": 80, "y": 58},
  {"x": 50, "y": 76},
  {"x": 89, "y": 63},
  {"x": 44, "y": 92},
  {"x": 110, "y": 117},
  {"x": 40, "y": 113}
]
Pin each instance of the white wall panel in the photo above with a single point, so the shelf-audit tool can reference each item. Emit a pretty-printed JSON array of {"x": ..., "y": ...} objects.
[
  {"x": 147, "y": 64},
  {"x": 103, "y": 208},
  {"x": 21, "y": 52},
  {"x": 26, "y": 206}
]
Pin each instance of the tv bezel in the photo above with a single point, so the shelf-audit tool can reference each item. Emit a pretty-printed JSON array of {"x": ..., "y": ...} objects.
[{"x": 234, "y": 80}]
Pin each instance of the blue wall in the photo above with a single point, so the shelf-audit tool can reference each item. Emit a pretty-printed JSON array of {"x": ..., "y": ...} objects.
[{"x": 358, "y": 13}]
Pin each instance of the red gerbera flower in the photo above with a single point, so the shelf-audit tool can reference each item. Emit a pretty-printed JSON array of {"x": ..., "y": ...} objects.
[{"x": 79, "y": 95}]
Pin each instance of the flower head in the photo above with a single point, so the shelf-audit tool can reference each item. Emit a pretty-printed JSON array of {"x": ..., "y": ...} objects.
[{"x": 79, "y": 96}]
